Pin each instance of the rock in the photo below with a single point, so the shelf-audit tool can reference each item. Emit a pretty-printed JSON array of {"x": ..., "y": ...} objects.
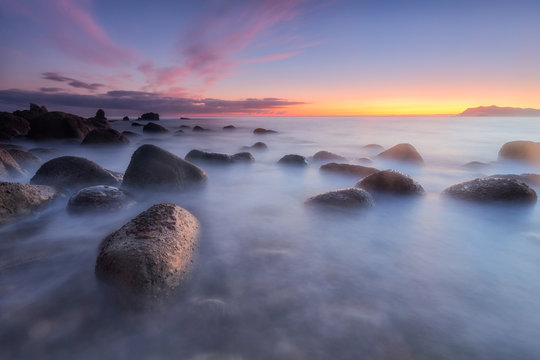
[
  {"x": 293, "y": 159},
  {"x": 125, "y": 118},
  {"x": 25, "y": 159},
  {"x": 257, "y": 146},
  {"x": 243, "y": 157},
  {"x": 104, "y": 137},
  {"x": 44, "y": 151},
  {"x": 185, "y": 127},
  {"x": 350, "y": 197},
  {"x": 365, "y": 160},
  {"x": 60, "y": 125},
  {"x": 18, "y": 199},
  {"x": 373, "y": 147},
  {"x": 136, "y": 124},
  {"x": 348, "y": 169},
  {"x": 475, "y": 165},
  {"x": 34, "y": 112},
  {"x": 184, "y": 118},
  {"x": 530, "y": 179},
  {"x": 229, "y": 127},
  {"x": 154, "y": 128},
  {"x": 73, "y": 172},
  {"x": 11, "y": 125},
  {"x": 130, "y": 133},
  {"x": 100, "y": 114},
  {"x": 402, "y": 152},
  {"x": 521, "y": 150},
  {"x": 203, "y": 156},
  {"x": 151, "y": 255},
  {"x": 9, "y": 168},
  {"x": 327, "y": 156},
  {"x": 492, "y": 190},
  {"x": 391, "y": 182},
  {"x": 157, "y": 169},
  {"x": 261, "y": 131},
  {"x": 179, "y": 131},
  {"x": 199, "y": 128},
  {"x": 149, "y": 116},
  {"x": 99, "y": 198}
]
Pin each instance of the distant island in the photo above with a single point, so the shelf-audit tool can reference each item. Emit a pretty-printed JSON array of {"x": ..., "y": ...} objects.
[{"x": 494, "y": 110}]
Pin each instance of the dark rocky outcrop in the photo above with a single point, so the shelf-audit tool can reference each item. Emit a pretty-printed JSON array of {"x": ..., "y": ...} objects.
[
  {"x": 521, "y": 150},
  {"x": 530, "y": 179},
  {"x": 60, "y": 125},
  {"x": 261, "y": 131},
  {"x": 125, "y": 118},
  {"x": 34, "y": 112},
  {"x": 357, "y": 171},
  {"x": 100, "y": 114},
  {"x": 11, "y": 125},
  {"x": 149, "y": 116},
  {"x": 327, "y": 156},
  {"x": 402, "y": 152},
  {"x": 25, "y": 159},
  {"x": 350, "y": 197},
  {"x": 154, "y": 128},
  {"x": 154, "y": 168},
  {"x": 73, "y": 172},
  {"x": 151, "y": 255},
  {"x": 18, "y": 199},
  {"x": 492, "y": 190},
  {"x": 104, "y": 137},
  {"x": 130, "y": 133},
  {"x": 136, "y": 124},
  {"x": 293, "y": 159},
  {"x": 9, "y": 168},
  {"x": 199, "y": 128},
  {"x": 99, "y": 198},
  {"x": 243, "y": 157},
  {"x": 391, "y": 182},
  {"x": 229, "y": 127},
  {"x": 257, "y": 146}
]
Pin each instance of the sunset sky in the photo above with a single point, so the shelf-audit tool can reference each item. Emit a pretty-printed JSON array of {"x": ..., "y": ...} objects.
[{"x": 269, "y": 57}]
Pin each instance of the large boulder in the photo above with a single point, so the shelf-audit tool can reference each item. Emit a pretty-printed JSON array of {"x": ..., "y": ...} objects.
[
  {"x": 155, "y": 168},
  {"x": 9, "y": 168},
  {"x": 350, "y": 197},
  {"x": 402, "y": 152},
  {"x": 18, "y": 199},
  {"x": 34, "y": 112},
  {"x": 99, "y": 198},
  {"x": 322, "y": 156},
  {"x": 492, "y": 190},
  {"x": 262, "y": 131},
  {"x": 125, "y": 118},
  {"x": 60, "y": 125},
  {"x": 73, "y": 172},
  {"x": 105, "y": 137},
  {"x": 151, "y": 255},
  {"x": 154, "y": 128},
  {"x": 11, "y": 125},
  {"x": 293, "y": 159},
  {"x": 357, "y": 171},
  {"x": 149, "y": 116},
  {"x": 521, "y": 150},
  {"x": 390, "y": 182}
]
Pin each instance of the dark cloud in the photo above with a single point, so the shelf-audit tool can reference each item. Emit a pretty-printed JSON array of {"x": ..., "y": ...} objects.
[
  {"x": 50, "y": 89},
  {"x": 137, "y": 101},
  {"x": 71, "y": 82}
]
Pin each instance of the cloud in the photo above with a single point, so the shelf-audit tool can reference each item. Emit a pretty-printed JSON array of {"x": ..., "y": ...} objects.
[
  {"x": 49, "y": 89},
  {"x": 71, "y": 82},
  {"x": 140, "y": 101}
]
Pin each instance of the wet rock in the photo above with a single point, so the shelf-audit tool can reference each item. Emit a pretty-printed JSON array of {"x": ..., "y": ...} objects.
[
  {"x": 521, "y": 150},
  {"x": 9, "y": 168},
  {"x": 151, "y": 255},
  {"x": 373, "y": 147},
  {"x": 149, "y": 116},
  {"x": 348, "y": 169},
  {"x": 350, "y": 197},
  {"x": 25, "y": 159},
  {"x": 293, "y": 159},
  {"x": 18, "y": 199},
  {"x": 530, "y": 179},
  {"x": 402, "y": 152},
  {"x": 11, "y": 125},
  {"x": 391, "y": 182},
  {"x": 154, "y": 168},
  {"x": 154, "y": 128},
  {"x": 199, "y": 128},
  {"x": 125, "y": 118},
  {"x": 69, "y": 172},
  {"x": 475, "y": 165},
  {"x": 261, "y": 131},
  {"x": 104, "y": 137},
  {"x": 365, "y": 160},
  {"x": 492, "y": 190},
  {"x": 243, "y": 157},
  {"x": 34, "y": 112},
  {"x": 327, "y": 156},
  {"x": 130, "y": 133},
  {"x": 60, "y": 125},
  {"x": 136, "y": 124},
  {"x": 229, "y": 127},
  {"x": 203, "y": 156},
  {"x": 99, "y": 198},
  {"x": 257, "y": 146}
]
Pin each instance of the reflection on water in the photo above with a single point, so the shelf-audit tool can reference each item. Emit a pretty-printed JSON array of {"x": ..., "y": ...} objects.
[{"x": 411, "y": 278}]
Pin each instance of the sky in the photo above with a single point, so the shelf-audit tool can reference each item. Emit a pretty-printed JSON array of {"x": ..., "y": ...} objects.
[{"x": 269, "y": 57}]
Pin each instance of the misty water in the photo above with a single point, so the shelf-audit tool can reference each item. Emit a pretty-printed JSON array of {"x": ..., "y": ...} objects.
[{"x": 411, "y": 278}]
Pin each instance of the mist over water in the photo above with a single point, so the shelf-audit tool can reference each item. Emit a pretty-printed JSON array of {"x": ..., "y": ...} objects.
[{"x": 411, "y": 278}]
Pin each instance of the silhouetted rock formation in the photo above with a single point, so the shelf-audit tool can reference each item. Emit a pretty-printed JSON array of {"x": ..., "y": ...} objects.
[
  {"x": 494, "y": 110},
  {"x": 149, "y": 116},
  {"x": 154, "y": 128}
]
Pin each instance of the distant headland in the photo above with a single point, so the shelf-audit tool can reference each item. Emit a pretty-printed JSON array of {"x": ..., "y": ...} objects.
[{"x": 494, "y": 110}]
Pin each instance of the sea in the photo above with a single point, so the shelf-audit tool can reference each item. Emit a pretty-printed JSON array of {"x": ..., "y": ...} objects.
[{"x": 423, "y": 277}]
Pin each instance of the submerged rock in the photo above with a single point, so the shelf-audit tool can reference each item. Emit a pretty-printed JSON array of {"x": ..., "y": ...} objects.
[
  {"x": 130, "y": 133},
  {"x": 185, "y": 127},
  {"x": 364, "y": 160},
  {"x": 99, "y": 198},
  {"x": 151, "y": 255},
  {"x": 9, "y": 168},
  {"x": 203, "y": 156},
  {"x": 25, "y": 159},
  {"x": 73, "y": 172},
  {"x": 18, "y": 199},
  {"x": 327, "y": 156},
  {"x": 229, "y": 127},
  {"x": 104, "y": 137},
  {"x": 391, "y": 182},
  {"x": 257, "y": 146},
  {"x": 521, "y": 150},
  {"x": 476, "y": 165},
  {"x": 154, "y": 168},
  {"x": 348, "y": 169},
  {"x": 243, "y": 157},
  {"x": 199, "y": 128},
  {"x": 154, "y": 128},
  {"x": 60, "y": 125},
  {"x": 136, "y": 124},
  {"x": 492, "y": 190},
  {"x": 293, "y": 159},
  {"x": 373, "y": 147},
  {"x": 402, "y": 152},
  {"x": 350, "y": 197},
  {"x": 149, "y": 116},
  {"x": 261, "y": 131}
]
